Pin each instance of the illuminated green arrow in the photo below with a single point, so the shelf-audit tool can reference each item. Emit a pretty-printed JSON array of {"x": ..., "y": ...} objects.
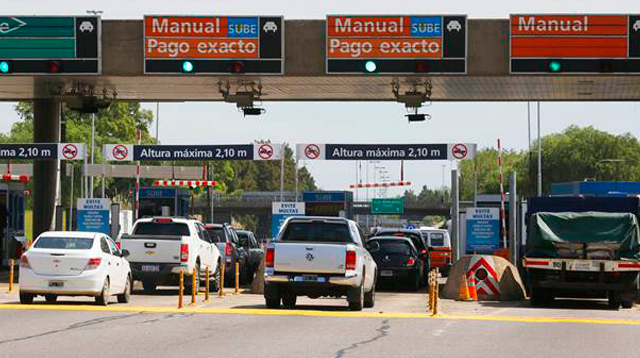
[{"x": 8, "y": 24}]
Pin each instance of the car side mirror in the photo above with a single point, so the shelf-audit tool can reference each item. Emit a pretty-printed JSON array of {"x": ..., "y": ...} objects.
[
  {"x": 124, "y": 253},
  {"x": 373, "y": 246}
]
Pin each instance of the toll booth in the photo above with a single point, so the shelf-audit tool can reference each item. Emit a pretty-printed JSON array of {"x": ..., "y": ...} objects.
[
  {"x": 328, "y": 203},
  {"x": 164, "y": 201},
  {"x": 11, "y": 216}
]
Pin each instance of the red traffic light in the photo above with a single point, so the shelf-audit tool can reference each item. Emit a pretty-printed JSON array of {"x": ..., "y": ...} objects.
[
  {"x": 237, "y": 67},
  {"x": 54, "y": 67},
  {"x": 422, "y": 67}
]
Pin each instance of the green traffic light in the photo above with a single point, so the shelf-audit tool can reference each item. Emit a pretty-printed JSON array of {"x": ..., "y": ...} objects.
[
  {"x": 4, "y": 67},
  {"x": 187, "y": 66},
  {"x": 555, "y": 66},
  {"x": 370, "y": 66}
]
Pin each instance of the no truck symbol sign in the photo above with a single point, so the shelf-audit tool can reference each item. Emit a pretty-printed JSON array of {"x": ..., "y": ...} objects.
[
  {"x": 265, "y": 151},
  {"x": 459, "y": 151},
  {"x": 120, "y": 152},
  {"x": 69, "y": 151},
  {"x": 312, "y": 151}
]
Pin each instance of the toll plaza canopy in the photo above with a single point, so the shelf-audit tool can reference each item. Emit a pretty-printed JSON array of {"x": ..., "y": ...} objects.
[{"x": 526, "y": 57}]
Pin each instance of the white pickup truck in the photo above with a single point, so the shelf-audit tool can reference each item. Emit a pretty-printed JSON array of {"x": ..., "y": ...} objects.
[
  {"x": 319, "y": 256},
  {"x": 160, "y": 247}
]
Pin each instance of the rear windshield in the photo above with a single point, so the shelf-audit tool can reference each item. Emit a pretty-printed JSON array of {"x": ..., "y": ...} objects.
[
  {"x": 217, "y": 234},
  {"x": 415, "y": 238},
  {"x": 172, "y": 229},
  {"x": 316, "y": 232},
  {"x": 64, "y": 243},
  {"x": 395, "y": 247},
  {"x": 437, "y": 239}
]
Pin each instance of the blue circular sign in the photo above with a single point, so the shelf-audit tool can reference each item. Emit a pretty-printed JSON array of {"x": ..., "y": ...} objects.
[{"x": 410, "y": 227}]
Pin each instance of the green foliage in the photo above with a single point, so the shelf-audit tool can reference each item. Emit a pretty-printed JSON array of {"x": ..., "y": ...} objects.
[{"x": 486, "y": 167}]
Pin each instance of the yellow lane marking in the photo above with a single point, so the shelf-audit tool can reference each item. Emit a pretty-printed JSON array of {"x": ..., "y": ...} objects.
[{"x": 286, "y": 312}]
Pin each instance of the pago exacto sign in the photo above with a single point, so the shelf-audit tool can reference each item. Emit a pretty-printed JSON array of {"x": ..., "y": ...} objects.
[
  {"x": 316, "y": 151},
  {"x": 576, "y": 43},
  {"x": 396, "y": 44},
  {"x": 213, "y": 44}
]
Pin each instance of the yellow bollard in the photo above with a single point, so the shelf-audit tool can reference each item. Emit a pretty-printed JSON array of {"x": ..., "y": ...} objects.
[
  {"x": 430, "y": 291},
  {"x": 436, "y": 290},
  {"x": 181, "y": 289},
  {"x": 193, "y": 286},
  {"x": 11, "y": 275},
  {"x": 221, "y": 288},
  {"x": 237, "y": 278},
  {"x": 206, "y": 286}
]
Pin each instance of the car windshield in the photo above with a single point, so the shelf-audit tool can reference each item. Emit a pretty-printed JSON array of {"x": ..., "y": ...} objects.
[
  {"x": 437, "y": 239},
  {"x": 169, "y": 229},
  {"x": 316, "y": 232},
  {"x": 64, "y": 243},
  {"x": 416, "y": 239},
  {"x": 395, "y": 247},
  {"x": 217, "y": 234}
]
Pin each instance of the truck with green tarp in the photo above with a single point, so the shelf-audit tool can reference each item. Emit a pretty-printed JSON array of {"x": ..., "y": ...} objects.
[{"x": 588, "y": 254}]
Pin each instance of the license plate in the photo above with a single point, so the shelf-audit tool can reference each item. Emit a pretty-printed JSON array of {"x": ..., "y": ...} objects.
[
  {"x": 386, "y": 273},
  {"x": 150, "y": 268},
  {"x": 309, "y": 278},
  {"x": 582, "y": 266},
  {"x": 56, "y": 284}
]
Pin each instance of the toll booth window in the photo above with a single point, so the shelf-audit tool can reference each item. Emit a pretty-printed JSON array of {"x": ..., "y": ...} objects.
[
  {"x": 217, "y": 234},
  {"x": 63, "y": 243},
  {"x": 169, "y": 229},
  {"x": 437, "y": 239},
  {"x": 316, "y": 232}
]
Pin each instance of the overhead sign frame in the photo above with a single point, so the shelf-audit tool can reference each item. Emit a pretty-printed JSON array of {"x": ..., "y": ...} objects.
[
  {"x": 28, "y": 66},
  {"x": 393, "y": 64},
  {"x": 225, "y": 63},
  {"x": 209, "y": 152},
  {"x": 586, "y": 65},
  {"x": 437, "y": 151}
]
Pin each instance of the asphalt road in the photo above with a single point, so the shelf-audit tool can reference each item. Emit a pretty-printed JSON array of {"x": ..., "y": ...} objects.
[{"x": 240, "y": 326}]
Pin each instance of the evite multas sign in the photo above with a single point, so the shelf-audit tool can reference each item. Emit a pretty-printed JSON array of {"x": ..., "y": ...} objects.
[
  {"x": 396, "y": 44},
  {"x": 213, "y": 44},
  {"x": 317, "y": 151},
  {"x": 130, "y": 152},
  {"x": 577, "y": 43}
]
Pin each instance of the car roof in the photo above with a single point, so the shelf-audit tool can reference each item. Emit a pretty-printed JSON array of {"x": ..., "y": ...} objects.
[
  {"x": 178, "y": 220},
  {"x": 406, "y": 231},
  {"x": 389, "y": 238},
  {"x": 75, "y": 234},
  {"x": 312, "y": 218},
  {"x": 213, "y": 226}
]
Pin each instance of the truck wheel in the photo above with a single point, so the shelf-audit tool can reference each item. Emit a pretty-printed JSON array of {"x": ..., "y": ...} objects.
[
  {"x": 356, "y": 297},
  {"x": 289, "y": 300},
  {"x": 149, "y": 287},
  {"x": 370, "y": 297},
  {"x": 627, "y": 303},
  {"x": 614, "y": 300},
  {"x": 272, "y": 295},
  {"x": 26, "y": 298},
  {"x": 537, "y": 297},
  {"x": 50, "y": 298}
]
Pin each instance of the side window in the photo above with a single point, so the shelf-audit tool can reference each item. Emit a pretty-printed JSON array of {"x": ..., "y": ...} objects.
[
  {"x": 234, "y": 237},
  {"x": 254, "y": 242},
  {"x": 355, "y": 233},
  {"x": 114, "y": 248},
  {"x": 202, "y": 233},
  {"x": 104, "y": 245}
]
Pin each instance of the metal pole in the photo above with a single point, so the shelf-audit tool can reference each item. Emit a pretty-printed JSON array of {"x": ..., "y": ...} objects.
[
  {"x": 157, "y": 121},
  {"x": 539, "y": 155},
  {"x": 103, "y": 177},
  {"x": 282, "y": 178},
  {"x": 296, "y": 173},
  {"x": 85, "y": 181},
  {"x": 513, "y": 220},
  {"x": 70, "y": 227},
  {"x": 455, "y": 215},
  {"x": 93, "y": 133}
]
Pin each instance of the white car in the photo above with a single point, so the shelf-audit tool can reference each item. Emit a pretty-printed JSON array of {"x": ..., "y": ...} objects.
[{"x": 74, "y": 263}]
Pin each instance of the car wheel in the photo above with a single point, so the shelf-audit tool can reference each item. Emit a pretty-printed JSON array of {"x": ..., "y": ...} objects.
[
  {"x": 626, "y": 303},
  {"x": 356, "y": 297},
  {"x": 149, "y": 287},
  {"x": 103, "y": 298},
  {"x": 50, "y": 298},
  {"x": 289, "y": 300},
  {"x": 26, "y": 298},
  {"x": 214, "y": 286},
  {"x": 417, "y": 283},
  {"x": 370, "y": 297},
  {"x": 126, "y": 295}
]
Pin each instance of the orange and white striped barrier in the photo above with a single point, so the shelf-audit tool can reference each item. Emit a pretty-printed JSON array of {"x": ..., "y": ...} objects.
[
  {"x": 189, "y": 183},
  {"x": 379, "y": 185},
  {"x": 13, "y": 177}
]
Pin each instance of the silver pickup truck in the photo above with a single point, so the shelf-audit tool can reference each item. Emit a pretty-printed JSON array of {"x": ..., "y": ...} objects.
[{"x": 319, "y": 256}]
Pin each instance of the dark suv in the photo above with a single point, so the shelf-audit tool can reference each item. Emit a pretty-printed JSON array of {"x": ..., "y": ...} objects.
[
  {"x": 226, "y": 239},
  {"x": 248, "y": 242}
]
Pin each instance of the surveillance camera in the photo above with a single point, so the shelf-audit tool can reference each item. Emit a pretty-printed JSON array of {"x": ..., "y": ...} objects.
[{"x": 253, "y": 111}]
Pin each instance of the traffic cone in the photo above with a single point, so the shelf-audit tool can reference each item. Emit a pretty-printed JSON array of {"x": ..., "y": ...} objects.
[
  {"x": 473, "y": 293},
  {"x": 463, "y": 293}
]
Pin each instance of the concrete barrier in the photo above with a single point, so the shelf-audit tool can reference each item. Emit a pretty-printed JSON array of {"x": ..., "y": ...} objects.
[{"x": 509, "y": 283}]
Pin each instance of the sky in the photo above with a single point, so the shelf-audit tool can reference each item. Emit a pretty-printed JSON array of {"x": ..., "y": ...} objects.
[{"x": 357, "y": 122}]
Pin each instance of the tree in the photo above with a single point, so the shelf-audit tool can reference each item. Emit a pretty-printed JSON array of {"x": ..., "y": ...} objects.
[{"x": 485, "y": 166}]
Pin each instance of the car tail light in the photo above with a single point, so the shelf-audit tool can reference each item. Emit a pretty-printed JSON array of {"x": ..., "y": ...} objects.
[
  {"x": 94, "y": 263},
  {"x": 411, "y": 261},
  {"x": 350, "y": 261},
  {"x": 24, "y": 262},
  {"x": 184, "y": 252},
  {"x": 227, "y": 249},
  {"x": 270, "y": 257},
  {"x": 119, "y": 245}
]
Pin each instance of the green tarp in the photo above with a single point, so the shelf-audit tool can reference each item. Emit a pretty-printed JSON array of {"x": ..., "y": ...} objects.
[{"x": 589, "y": 235}]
